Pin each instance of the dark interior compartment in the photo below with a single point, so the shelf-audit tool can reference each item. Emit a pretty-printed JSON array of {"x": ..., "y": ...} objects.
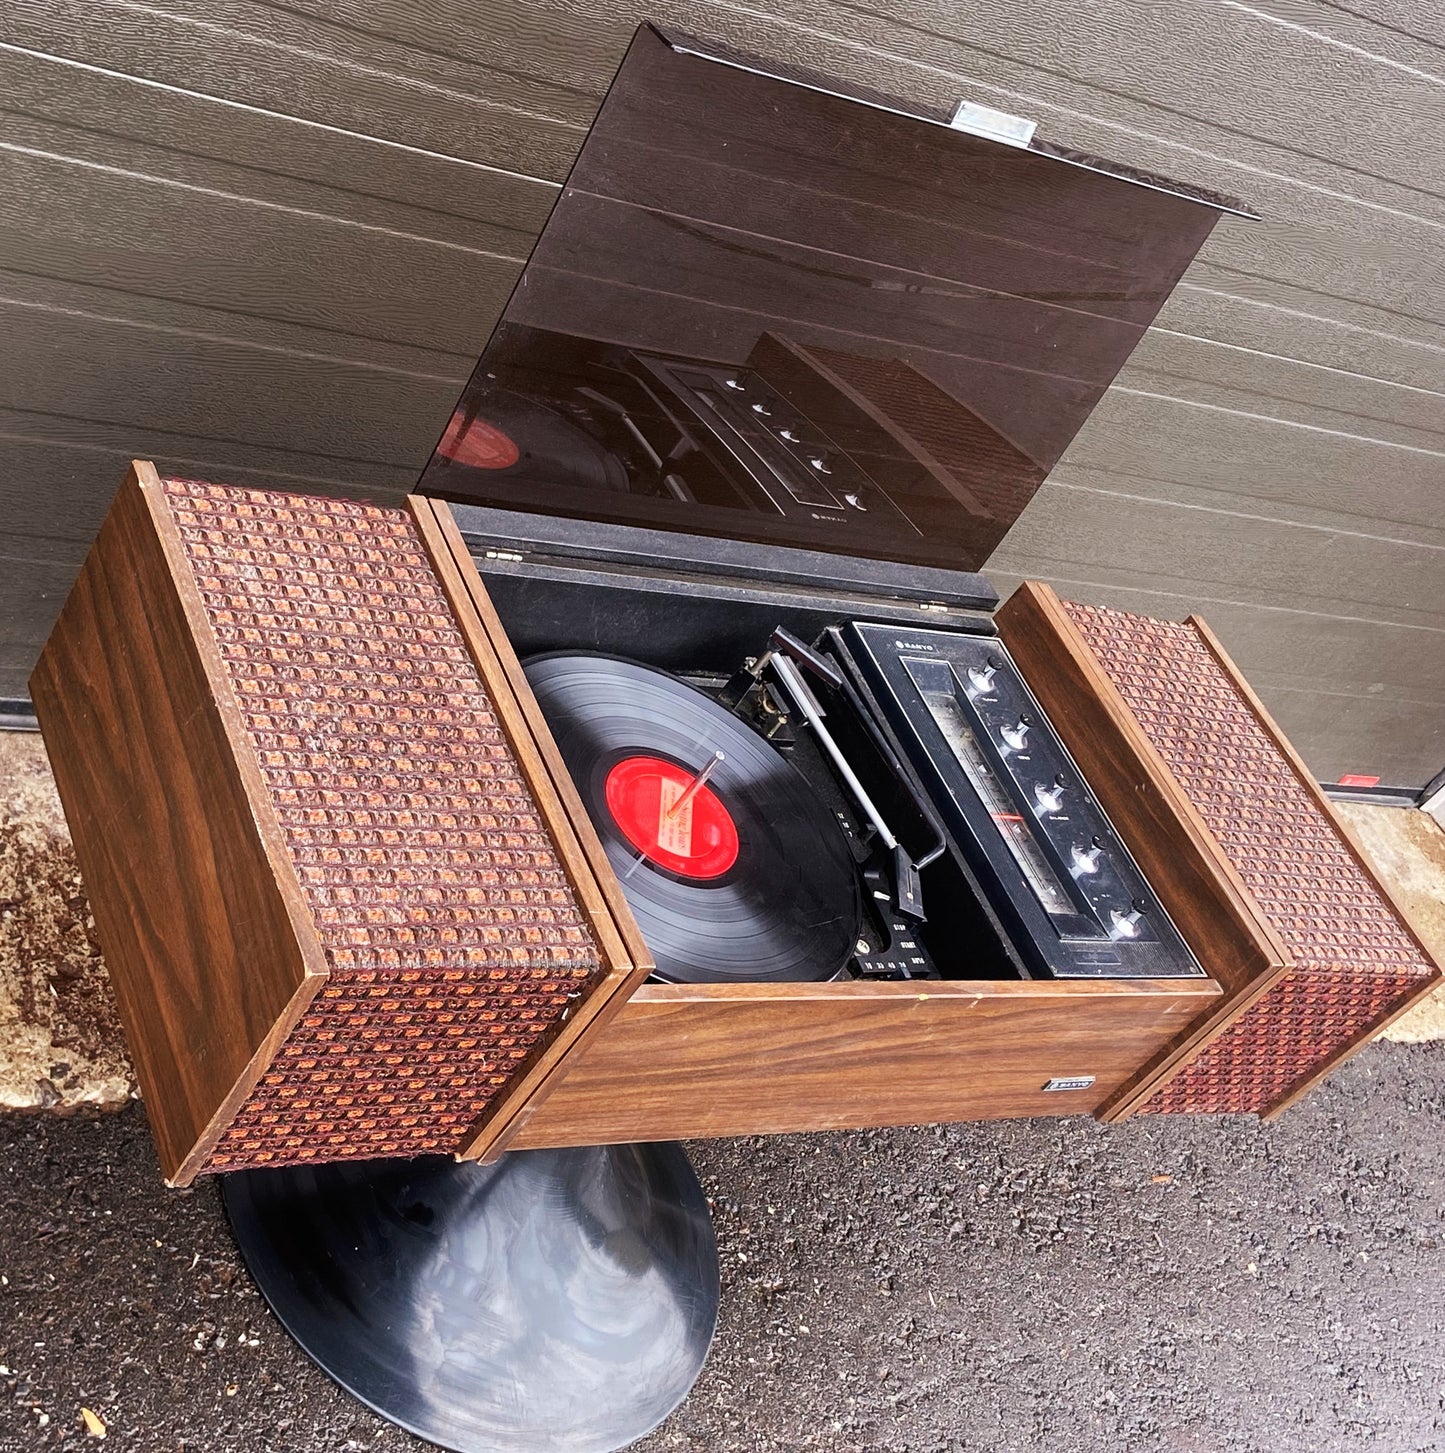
[{"x": 700, "y": 618}]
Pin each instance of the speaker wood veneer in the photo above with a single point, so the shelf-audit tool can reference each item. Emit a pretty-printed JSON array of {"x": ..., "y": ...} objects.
[{"x": 343, "y": 905}]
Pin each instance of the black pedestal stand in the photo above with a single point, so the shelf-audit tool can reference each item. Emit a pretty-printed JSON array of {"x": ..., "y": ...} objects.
[{"x": 560, "y": 1300}]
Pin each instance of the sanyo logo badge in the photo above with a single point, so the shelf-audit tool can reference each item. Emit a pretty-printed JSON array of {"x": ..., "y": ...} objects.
[{"x": 913, "y": 646}]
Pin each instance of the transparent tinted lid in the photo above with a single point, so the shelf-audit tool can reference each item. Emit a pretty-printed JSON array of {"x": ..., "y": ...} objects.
[{"x": 772, "y": 308}]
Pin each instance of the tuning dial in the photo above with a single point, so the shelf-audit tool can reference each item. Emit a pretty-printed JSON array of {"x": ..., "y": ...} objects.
[
  {"x": 820, "y": 464},
  {"x": 1016, "y": 736},
  {"x": 1086, "y": 860},
  {"x": 1125, "y": 925},
  {"x": 1050, "y": 798},
  {"x": 733, "y": 383},
  {"x": 855, "y": 502},
  {"x": 981, "y": 678}
]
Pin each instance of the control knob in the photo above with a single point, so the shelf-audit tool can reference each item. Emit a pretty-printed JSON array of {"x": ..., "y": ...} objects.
[
  {"x": 1016, "y": 736},
  {"x": 1050, "y": 798},
  {"x": 1086, "y": 860},
  {"x": 1125, "y": 925},
  {"x": 981, "y": 678}
]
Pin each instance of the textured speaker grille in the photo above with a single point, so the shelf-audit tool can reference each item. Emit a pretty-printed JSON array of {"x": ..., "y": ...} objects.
[
  {"x": 1354, "y": 963},
  {"x": 454, "y": 941}
]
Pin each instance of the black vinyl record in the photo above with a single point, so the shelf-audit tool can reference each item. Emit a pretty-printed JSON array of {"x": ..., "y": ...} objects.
[
  {"x": 500, "y": 435},
  {"x": 753, "y": 880}
]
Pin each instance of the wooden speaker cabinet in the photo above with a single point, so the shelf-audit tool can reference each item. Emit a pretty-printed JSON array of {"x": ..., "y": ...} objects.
[
  {"x": 349, "y": 904},
  {"x": 1318, "y": 956}
]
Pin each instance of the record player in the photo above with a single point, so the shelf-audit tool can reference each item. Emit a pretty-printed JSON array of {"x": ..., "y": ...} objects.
[
  {"x": 783, "y": 368},
  {"x": 664, "y": 769}
]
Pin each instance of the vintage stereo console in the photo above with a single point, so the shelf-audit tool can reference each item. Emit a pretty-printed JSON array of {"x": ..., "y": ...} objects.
[{"x": 662, "y": 768}]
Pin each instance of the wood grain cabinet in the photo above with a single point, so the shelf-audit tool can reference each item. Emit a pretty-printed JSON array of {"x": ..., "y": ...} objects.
[{"x": 352, "y": 905}]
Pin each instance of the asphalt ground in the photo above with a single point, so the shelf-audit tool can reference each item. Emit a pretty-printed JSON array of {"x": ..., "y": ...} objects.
[{"x": 1056, "y": 1286}]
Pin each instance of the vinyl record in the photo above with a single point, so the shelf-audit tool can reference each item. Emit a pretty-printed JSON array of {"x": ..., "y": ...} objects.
[
  {"x": 747, "y": 878},
  {"x": 503, "y": 436}
]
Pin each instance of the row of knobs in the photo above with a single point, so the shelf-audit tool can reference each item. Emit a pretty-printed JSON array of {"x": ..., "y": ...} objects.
[
  {"x": 1050, "y": 797},
  {"x": 818, "y": 462}
]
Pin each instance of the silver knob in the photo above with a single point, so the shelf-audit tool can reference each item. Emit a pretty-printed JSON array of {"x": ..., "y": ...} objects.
[
  {"x": 788, "y": 434},
  {"x": 982, "y": 680},
  {"x": 734, "y": 384},
  {"x": 820, "y": 464},
  {"x": 1050, "y": 798},
  {"x": 762, "y": 409},
  {"x": 1086, "y": 860},
  {"x": 1015, "y": 736},
  {"x": 1125, "y": 925},
  {"x": 857, "y": 503}
]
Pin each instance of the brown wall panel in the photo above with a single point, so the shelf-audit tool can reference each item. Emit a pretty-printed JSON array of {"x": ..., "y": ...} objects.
[
  {"x": 197, "y": 241},
  {"x": 467, "y": 102},
  {"x": 270, "y": 239},
  {"x": 185, "y": 382},
  {"x": 1156, "y": 544}
]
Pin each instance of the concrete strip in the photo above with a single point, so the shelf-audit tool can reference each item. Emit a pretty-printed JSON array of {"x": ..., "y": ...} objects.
[
  {"x": 1407, "y": 849},
  {"x": 60, "y": 1040}
]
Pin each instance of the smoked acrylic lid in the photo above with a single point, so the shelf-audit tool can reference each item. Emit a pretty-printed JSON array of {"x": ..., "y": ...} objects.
[{"x": 774, "y": 308}]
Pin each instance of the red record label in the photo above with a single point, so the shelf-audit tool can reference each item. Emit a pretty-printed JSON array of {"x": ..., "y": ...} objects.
[
  {"x": 479, "y": 445},
  {"x": 698, "y": 840}
]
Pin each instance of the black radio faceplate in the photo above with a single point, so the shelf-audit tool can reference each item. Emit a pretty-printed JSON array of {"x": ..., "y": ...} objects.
[{"x": 1009, "y": 792}]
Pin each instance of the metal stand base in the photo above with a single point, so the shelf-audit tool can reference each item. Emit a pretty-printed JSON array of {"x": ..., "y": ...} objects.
[{"x": 560, "y": 1300}]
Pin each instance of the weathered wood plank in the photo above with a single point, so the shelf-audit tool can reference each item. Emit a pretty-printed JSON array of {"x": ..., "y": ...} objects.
[
  {"x": 1260, "y": 382},
  {"x": 1277, "y": 319},
  {"x": 274, "y": 58},
  {"x": 1149, "y": 435},
  {"x": 306, "y": 259},
  {"x": 1151, "y": 543},
  {"x": 236, "y": 131},
  {"x": 63, "y": 340}
]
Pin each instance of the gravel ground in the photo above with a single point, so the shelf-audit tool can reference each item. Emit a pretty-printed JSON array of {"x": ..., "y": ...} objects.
[{"x": 1168, "y": 1284}]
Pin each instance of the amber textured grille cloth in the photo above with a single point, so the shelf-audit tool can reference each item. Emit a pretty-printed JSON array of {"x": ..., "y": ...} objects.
[
  {"x": 451, "y": 932},
  {"x": 1354, "y": 963}
]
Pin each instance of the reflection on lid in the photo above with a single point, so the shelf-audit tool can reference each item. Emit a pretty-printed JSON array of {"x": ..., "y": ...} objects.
[{"x": 766, "y": 310}]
